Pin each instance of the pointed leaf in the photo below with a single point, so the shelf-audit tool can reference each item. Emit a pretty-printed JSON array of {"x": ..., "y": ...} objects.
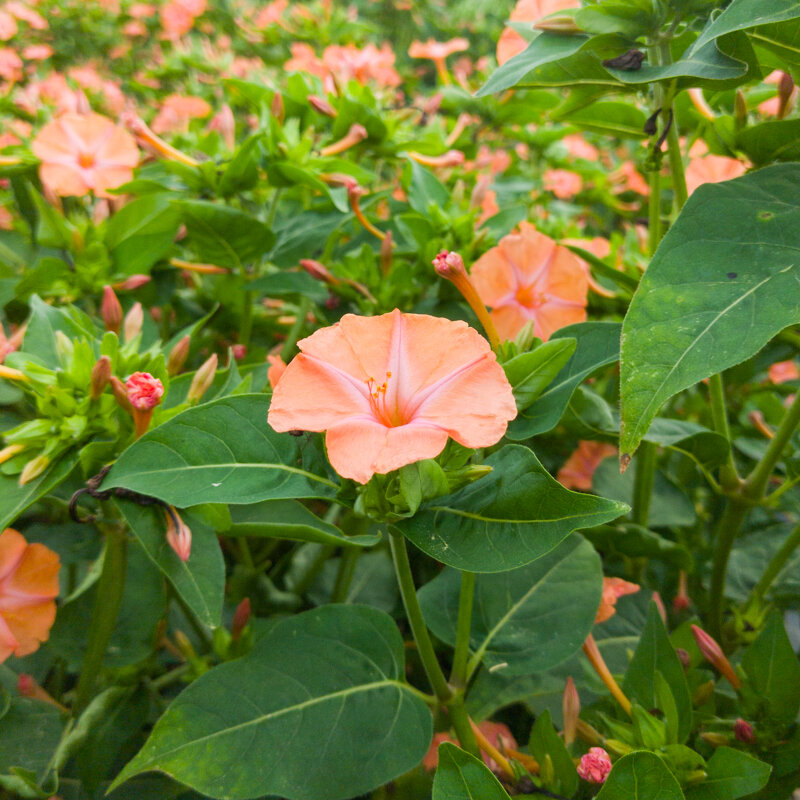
[
  {"x": 461, "y": 776},
  {"x": 722, "y": 283},
  {"x": 513, "y": 516},
  {"x": 745, "y": 14},
  {"x": 546, "y": 742},
  {"x": 219, "y": 452},
  {"x": 640, "y": 776},
  {"x": 318, "y": 709},
  {"x": 528, "y": 619},
  {"x": 731, "y": 774}
]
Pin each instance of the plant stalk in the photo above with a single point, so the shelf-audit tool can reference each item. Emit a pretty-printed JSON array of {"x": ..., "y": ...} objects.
[
  {"x": 643, "y": 482},
  {"x": 458, "y": 674},
  {"x": 344, "y": 575}
]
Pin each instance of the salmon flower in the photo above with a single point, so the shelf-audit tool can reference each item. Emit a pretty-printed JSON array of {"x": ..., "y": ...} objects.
[
  {"x": 84, "y": 153},
  {"x": 28, "y": 588},
  {"x": 276, "y": 368},
  {"x": 438, "y": 52},
  {"x": 784, "y": 371},
  {"x": 613, "y": 589},
  {"x": 563, "y": 183},
  {"x": 710, "y": 168},
  {"x": 579, "y": 468},
  {"x": 390, "y": 390},
  {"x": 510, "y": 42},
  {"x": 527, "y": 276}
]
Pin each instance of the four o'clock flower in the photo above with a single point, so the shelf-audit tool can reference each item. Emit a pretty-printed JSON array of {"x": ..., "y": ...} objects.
[
  {"x": 595, "y": 765},
  {"x": 390, "y": 390},
  {"x": 144, "y": 394}
]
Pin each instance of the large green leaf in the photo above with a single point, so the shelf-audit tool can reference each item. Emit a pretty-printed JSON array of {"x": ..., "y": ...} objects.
[
  {"x": 219, "y": 452},
  {"x": 546, "y": 743},
  {"x": 655, "y": 654},
  {"x": 29, "y": 734},
  {"x": 530, "y": 373},
  {"x": 640, "y": 776},
  {"x": 40, "y": 339},
  {"x": 528, "y": 619},
  {"x": 598, "y": 346},
  {"x": 723, "y": 282},
  {"x": 200, "y": 581},
  {"x": 774, "y": 140},
  {"x": 746, "y": 14},
  {"x": 318, "y": 709},
  {"x": 461, "y": 776},
  {"x": 731, "y": 774},
  {"x": 509, "y": 518}
]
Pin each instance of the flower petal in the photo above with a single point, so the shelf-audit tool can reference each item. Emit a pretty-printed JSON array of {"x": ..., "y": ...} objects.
[
  {"x": 30, "y": 626},
  {"x": 12, "y": 549}
]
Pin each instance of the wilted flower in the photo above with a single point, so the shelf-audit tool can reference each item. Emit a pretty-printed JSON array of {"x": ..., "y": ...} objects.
[
  {"x": 28, "y": 588},
  {"x": 495, "y": 732},
  {"x": 527, "y": 276},
  {"x": 743, "y": 731},
  {"x": 84, "y": 153},
  {"x": 390, "y": 390},
  {"x": 595, "y": 765},
  {"x": 613, "y": 589}
]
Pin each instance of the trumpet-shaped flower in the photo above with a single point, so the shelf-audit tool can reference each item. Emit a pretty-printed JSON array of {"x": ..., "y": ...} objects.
[
  {"x": 85, "y": 152},
  {"x": 511, "y": 43},
  {"x": 28, "y": 588},
  {"x": 527, "y": 276},
  {"x": 390, "y": 390},
  {"x": 613, "y": 589}
]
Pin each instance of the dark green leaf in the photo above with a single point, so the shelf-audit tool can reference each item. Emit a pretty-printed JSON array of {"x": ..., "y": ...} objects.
[
  {"x": 721, "y": 285},
  {"x": 528, "y": 619},
  {"x": 774, "y": 140},
  {"x": 745, "y": 14},
  {"x": 640, "y": 776},
  {"x": 327, "y": 682},
  {"x": 29, "y": 735},
  {"x": 45, "y": 320},
  {"x": 531, "y": 373},
  {"x": 425, "y": 189},
  {"x": 731, "y": 774},
  {"x": 461, "y": 776},
  {"x": 546, "y": 742},
  {"x": 513, "y": 516},
  {"x": 219, "y": 452}
]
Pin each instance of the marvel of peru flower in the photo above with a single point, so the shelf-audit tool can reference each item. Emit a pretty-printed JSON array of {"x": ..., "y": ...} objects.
[
  {"x": 595, "y": 765},
  {"x": 28, "y": 588},
  {"x": 84, "y": 153},
  {"x": 528, "y": 277},
  {"x": 390, "y": 390},
  {"x": 144, "y": 394}
]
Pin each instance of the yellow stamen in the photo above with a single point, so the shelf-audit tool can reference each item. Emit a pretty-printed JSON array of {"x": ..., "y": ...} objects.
[{"x": 597, "y": 661}]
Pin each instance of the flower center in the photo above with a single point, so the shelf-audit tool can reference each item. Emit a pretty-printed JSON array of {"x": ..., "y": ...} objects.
[
  {"x": 85, "y": 160},
  {"x": 530, "y": 298},
  {"x": 385, "y": 411}
]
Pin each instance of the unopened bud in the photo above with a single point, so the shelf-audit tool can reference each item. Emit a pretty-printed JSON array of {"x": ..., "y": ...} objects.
[
  {"x": 571, "y": 708},
  {"x": 277, "y": 109},
  {"x": 239, "y": 351},
  {"x": 10, "y": 451},
  {"x": 715, "y": 739},
  {"x": 682, "y": 600},
  {"x": 179, "y": 534},
  {"x": 702, "y": 694},
  {"x": 740, "y": 107},
  {"x": 319, "y": 271},
  {"x": 33, "y": 469},
  {"x": 595, "y": 765},
  {"x": 131, "y": 283},
  {"x": 144, "y": 391},
  {"x": 743, "y": 731},
  {"x": 178, "y": 355},
  {"x": 449, "y": 264},
  {"x": 132, "y": 325},
  {"x": 185, "y": 646},
  {"x": 322, "y": 105},
  {"x": 560, "y": 24},
  {"x": 785, "y": 90},
  {"x": 203, "y": 379},
  {"x": 111, "y": 310},
  {"x": 587, "y": 733},
  {"x": 712, "y": 652},
  {"x": 354, "y": 136},
  {"x": 240, "y": 618},
  {"x": 28, "y": 687},
  {"x": 120, "y": 394},
  {"x": 683, "y": 657},
  {"x": 660, "y": 606},
  {"x": 101, "y": 375},
  {"x": 452, "y": 158},
  {"x": 547, "y": 772}
]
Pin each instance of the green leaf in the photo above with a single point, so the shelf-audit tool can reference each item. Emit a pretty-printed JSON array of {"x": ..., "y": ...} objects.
[
  {"x": 200, "y": 581},
  {"x": 531, "y": 373},
  {"x": 288, "y": 519},
  {"x": 706, "y": 447},
  {"x": 224, "y": 236},
  {"x": 773, "y": 672},
  {"x": 746, "y": 14},
  {"x": 45, "y": 320},
  {"x": 14, "y": 499},
  {"x": 304, "y": 236},
  {"x": 513, "y": 516},
  {"x": 425, "y": 189},
  {"x": 731, "y": 774},
  {"x": 320, "y": 700},
  {"x": 219, "y": 452},
  {"x": 528, "y": 619},
  {"x": 29, "y": 735},
  {"x": 655, "y": 654},
  {"x": 461, "y": 776},
  {"x": 546, "y": 742},
  {"x": 142, "y": 233},
  {"x": 279, "y": 284},
  {"x": 635, "y": 541},
  {"x": 774, "y": 140},
  {"x": 598, "y": 346},
  {"x": 640, "y": 776},
  {"x": 611, "y": 118},
  {"x": 722, "y": 283}
]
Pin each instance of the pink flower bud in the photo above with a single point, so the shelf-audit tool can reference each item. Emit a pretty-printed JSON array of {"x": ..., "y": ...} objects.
[
  {"x": 239, "y": 351},
  {"x": 132, "y": 283},
  {"x": 318, "y": 271},
  {"x": 662, "y": 612},
  {"x": 179, "y": 537},
  {"x": 743, "y": 731},
  {"x": 712, "y": 652},
  {"x": 321, "y": 105},
  {"x": 203, "y": 379},
  {"x": 101, "y": 375},
  {"x": 240, "y": 618},
  {"x": 144, "y": 391},
  {"x": 132, "y": 326},
  {"x": 178, "y": 355},
  {"x": 449, "y": 264},
  {"x": 571, "y": 708},
  {"x": 111, "y": 310},
  {"x": 595, "y": 765}
]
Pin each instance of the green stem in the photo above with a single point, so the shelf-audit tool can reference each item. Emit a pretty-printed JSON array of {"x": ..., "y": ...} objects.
[
  {"x": 458, "y": 674},
  {"x": 654, "y": 225},
  {"x": 454, "y": 703},
  {"x": 344, "y": 576},
  {"x": 273, "y": 207},
  {"x": 107, "y": 601},
  {"x": 776, "y": 564},
  {"x": 314, "y": 568},
  {"x": 728, "y": 475},
  {"x": 643, "y": 483},
  {"x": 729, "y": 525},
  {"x": 676, "y": 160},
  {"x": 287, "y": 351},
  {"x": 757, "y": 480},
  {"x": 170, "y": 677}
]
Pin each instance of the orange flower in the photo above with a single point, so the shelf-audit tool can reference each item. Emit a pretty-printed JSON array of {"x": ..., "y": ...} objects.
[
  {"x": 579, "y": 468},
  {"x": 85, "y": 152},
  {"x": 784, "y": 371},
  {"x": 562, "y": 183},
  {"x": 177, "y": 110},
  {"x": 28, "y": 588},
  {"x": 527, "y": 276},
  {"x": 613, "y": 589},
  {"x": 276, "y": 368},
  {"x": 345, "y": 63},
  {"x": 438, "y": 52},
  {"x": 8, "y": 26},
  {"x": 390, "y": 390},
  {"x": 511, "y": 43},
  {"x": 578, "y": 147},
  {"x": 709, "y": 168}
]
